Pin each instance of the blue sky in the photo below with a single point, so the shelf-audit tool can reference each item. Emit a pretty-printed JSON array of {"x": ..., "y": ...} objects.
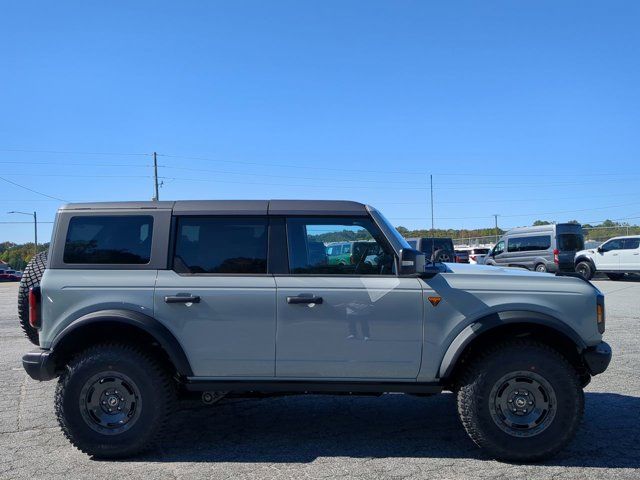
[{"x": 525, "y": 109}]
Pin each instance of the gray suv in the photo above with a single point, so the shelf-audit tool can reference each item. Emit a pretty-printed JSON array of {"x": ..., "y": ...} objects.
[{"x": 142, "y": 302}]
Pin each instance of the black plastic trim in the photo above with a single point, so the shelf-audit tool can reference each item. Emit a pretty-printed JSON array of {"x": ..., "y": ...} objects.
[
  {"x": 306, "y": 386},
  {"x": 278, "y": 254},
  {"x": 597, "y": 358},
  {"x": 482, "y": 325},
  {"x": 39, "y": 365},
  {"x": 150, "y": 325}
]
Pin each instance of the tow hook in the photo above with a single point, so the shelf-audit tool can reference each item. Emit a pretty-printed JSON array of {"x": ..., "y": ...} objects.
[{"x": 209, "y": 398}]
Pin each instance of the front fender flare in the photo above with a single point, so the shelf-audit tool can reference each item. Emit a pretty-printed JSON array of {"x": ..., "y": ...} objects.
[
  {"x": 148, "y": 324},
  {"x": 482, "y": 325}
]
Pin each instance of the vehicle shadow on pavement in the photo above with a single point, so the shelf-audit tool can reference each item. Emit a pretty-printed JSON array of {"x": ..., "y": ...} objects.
[{"x": 299, "y": 429}]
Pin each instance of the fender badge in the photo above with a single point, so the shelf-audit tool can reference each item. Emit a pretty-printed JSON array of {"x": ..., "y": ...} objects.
[{"x": 434, "y": 300}]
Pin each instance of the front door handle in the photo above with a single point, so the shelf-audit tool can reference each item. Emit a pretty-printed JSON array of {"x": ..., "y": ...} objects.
[
  {"x": 305, "y": 300},
  {"x": 182, "y": 299}
]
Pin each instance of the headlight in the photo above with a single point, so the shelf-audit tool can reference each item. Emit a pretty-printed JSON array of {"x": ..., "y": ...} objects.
[{"x": 600, "y": 317}]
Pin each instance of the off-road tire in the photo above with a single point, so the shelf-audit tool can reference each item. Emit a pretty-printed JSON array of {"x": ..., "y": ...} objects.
[
  {"x": 541, "y": 267},
  {"x": 486, "y": 371},
  {"x": 30, "y": 278},
  {"x": 585, "y": 270},
  {"x": 443, "y": 256},
  {"x": 157, "y": 400},
  {"x": 615, "y": 276}
]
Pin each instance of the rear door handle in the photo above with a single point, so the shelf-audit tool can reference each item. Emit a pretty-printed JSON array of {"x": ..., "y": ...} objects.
[
  {"x": 301, "y": 299},
  {"x": 182, "y": 299}
]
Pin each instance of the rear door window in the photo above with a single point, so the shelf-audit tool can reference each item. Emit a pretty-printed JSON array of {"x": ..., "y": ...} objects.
[
  {"x": 113, "y": 239},
  {"x": 570, "y": 242},
  {"x": 631, "y": 243},
  {"x": 529, "y": 244},
  {"x": 221, "y": 245}
]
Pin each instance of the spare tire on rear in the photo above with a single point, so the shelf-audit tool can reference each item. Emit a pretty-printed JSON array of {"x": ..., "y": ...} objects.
[{"x": 30, "y": 278}]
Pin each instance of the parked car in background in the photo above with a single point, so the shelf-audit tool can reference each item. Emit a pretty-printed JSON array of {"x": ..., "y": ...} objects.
[
  {"x": 545, "y": 248},
  {"x": 616, "y": 258},
  {"x": 477, "y": 255},
  {"x": 462, "y": 255},
  {"x": 346, "y": 253},
  {"x": 10, "y": 276},
  {"x": 435, "y": 249}
]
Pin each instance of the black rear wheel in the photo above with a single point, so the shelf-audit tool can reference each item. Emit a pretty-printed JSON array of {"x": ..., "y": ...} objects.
[
  {"x": 521, "y": 401},
  {"x": 114, "y": 401},
  {"x": 30, "y": 278}
]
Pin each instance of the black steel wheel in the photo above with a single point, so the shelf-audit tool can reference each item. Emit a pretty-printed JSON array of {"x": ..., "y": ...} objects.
[
  {"x": 522, "y": 404},
  {"x": 110, "y": 402},
  {"x": 520, "y": 401},
  {"x": 114, "y": 401}
]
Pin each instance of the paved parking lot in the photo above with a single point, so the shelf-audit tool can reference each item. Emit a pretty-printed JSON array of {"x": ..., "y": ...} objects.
[{"x": 396, "y": 436}]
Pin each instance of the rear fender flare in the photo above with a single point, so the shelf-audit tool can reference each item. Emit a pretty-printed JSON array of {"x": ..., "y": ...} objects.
[{"x": 148, "y": 324}]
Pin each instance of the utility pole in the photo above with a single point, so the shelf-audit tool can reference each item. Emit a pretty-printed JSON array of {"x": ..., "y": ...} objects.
[
  {"x": 495, "y": 216},
  {"x": 431, "y": 185},
  {"x": 35, "y": 228},
  {"x": 155, "y": 176}
]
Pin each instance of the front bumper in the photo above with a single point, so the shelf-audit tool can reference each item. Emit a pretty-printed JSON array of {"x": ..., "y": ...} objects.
[
  {"x": 597, "y": 358},
  {"x": 39, "y": 364}
]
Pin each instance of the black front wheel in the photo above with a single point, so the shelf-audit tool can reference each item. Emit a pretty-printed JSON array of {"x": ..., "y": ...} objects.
[
  {"x": 113, "y": 401},
  {"x": 584, "y": 270},
  {"x": 522, "y": 401}
]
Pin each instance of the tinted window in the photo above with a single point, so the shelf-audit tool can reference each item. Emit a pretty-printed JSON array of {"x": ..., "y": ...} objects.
[
  {"x": 221, "y": 245},
  {"x": 499, "y": 248},
  {"x": 109, "y": 240},
  {"x": 612, "y": 245},
  {"x": 631, "y": 243},
  {"x": 430, "y": 245},
  {"x": 571, "y": 242},
  {"x": 529, "y": 244},
  {"x": 308, "y": 238}
]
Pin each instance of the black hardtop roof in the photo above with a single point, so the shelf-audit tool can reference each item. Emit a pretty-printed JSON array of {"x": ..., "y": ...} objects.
[{"x": 232, "y": 207}]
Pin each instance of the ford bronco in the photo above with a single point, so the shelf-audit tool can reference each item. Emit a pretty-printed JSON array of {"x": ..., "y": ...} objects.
[{"x": 143, "y": 301}]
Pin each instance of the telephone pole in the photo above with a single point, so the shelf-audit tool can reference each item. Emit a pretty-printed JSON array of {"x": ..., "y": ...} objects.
[
  {"x": 35, "y": 228},
  {"x": 431, "y": 185},
  {"x": 495, "y": 215},
  {"x": 155, "y": 176}
]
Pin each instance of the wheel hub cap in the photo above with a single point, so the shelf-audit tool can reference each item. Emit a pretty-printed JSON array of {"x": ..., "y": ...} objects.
[
  {"x": 522, "y": 404},
  {"x": 110, "y": 403}
]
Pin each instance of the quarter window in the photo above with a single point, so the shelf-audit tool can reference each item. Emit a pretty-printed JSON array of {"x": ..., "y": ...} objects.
[
  {"x": 221, "y": 245},
  {"x": 529, "y": 244},
  {"x": 365, "y": 252},
  {"x": 109, "y": 240}
]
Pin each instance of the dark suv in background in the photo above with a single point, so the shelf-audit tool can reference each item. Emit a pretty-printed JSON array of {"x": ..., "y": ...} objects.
[{"x": 435, "y": 249}]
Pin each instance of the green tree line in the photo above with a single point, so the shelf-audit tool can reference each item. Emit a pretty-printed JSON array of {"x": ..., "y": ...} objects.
[{"x": 18, "y": 255}]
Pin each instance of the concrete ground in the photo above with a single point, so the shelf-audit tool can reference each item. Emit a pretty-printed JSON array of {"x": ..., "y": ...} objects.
[{"x": 396, "y": 436}]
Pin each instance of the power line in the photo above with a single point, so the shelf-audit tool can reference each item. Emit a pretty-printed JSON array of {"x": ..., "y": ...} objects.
[
  {"x": 32, "y": 190},
  {"x": 68, "y": 152}
]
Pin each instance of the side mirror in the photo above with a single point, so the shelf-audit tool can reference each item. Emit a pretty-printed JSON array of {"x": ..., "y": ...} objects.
[
  {"x": 412, "y": 262},
  {"x": 600, "y": 250}
]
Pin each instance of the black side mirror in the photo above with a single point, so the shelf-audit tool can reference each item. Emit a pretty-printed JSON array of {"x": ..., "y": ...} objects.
[
  {"x": 600, "y": 250},
  {"x": 411, "y": 262}
]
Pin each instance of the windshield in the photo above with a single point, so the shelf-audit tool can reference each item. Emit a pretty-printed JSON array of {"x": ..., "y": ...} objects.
[
  {"x": 398, "y": 240},
  {"x": 570, "y": 242}
]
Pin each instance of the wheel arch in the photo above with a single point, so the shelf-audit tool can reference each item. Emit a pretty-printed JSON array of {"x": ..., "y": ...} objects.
[
  {"x": 510, "y": 324},
  {"x": 121, "y": 326},
  {"x": 584, "y": 258}
]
